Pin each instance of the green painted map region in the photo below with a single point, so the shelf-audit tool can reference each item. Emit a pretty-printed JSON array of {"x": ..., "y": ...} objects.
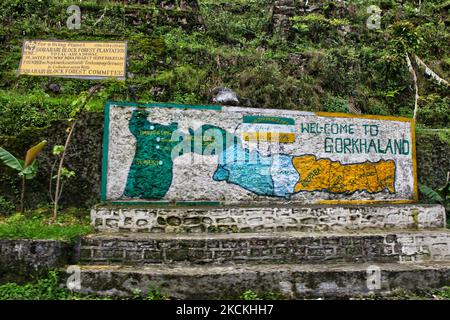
[{"x": 151, "y": 172}]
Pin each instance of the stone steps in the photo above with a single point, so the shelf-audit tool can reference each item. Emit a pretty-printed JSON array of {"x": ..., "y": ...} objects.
[
  {"x": 286, "y": 247},
  {"x": 213, "y": 252},
  {"x": 291, "y": 281},
  {"x": 270, "y": 218}
]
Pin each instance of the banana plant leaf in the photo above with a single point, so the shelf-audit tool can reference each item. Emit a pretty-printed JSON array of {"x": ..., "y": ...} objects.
[
  {"x": 445, "y": 190},
  {"x": 9, "y": 160},
  {"x": 431, "y": 194},
  {"x": 33, "y": 152},
  {"x": 30, "y": 171}
]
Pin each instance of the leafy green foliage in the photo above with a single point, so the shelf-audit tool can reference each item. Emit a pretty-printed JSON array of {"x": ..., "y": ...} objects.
[
  {"x": 36, "y": 110},
  {"x": 443, "y": 293},
  {"x": 404, "y": 37},
  {"x": 431, "y": 194},
  {"x": 11, "y": 161},
  {"x": 233, "y": 47},
  {"x": 36, "y": 225},
  {"x": 156, "y": 294},
  {"x": 66, "y": 173},
  {"x": 434, "y": 111},
  {"x": 27, "y": 168},
  {"x": 251, "y": 295},
  {"x": 57, "y": 150},
  {"x": 30, "y": 171},
  {"x": 43, "y": 289},
  {"x": 46, "y": 288},
  {"x": 317, "y": 27},
  {"x": 50, "y": 288},
  {"x": 336, "y": 104},
  {"x": 440, "y": 195},
  {"x": 6, "y": 206}
]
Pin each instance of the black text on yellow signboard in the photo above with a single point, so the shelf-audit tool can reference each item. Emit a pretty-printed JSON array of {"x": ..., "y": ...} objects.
[{"x": 74, "y": 59}]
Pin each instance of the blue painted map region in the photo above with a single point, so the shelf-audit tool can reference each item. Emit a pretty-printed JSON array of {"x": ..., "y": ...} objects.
[
  {"x": 264, "y": 175},
  {"x": 284, "y": 175},
  {"x": 247, "y": 169}
]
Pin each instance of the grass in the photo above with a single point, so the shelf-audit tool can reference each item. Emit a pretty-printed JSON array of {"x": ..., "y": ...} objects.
[
  {"x": 44, "y": 289},
  {"x": 50, "y": 288},
  {"x": 38, "y": 224},
  {"x": 251, "y": 295}
]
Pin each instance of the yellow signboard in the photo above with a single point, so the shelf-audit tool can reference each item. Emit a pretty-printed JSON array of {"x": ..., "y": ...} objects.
[
  {"x": 282, "y": 137},
  {"x": 74, "y": 59}
]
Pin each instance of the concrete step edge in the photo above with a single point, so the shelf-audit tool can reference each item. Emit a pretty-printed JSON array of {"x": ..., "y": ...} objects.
[
  {"x": 142, "y": 236},
  {"x": 290, "y": 281},
  {"x": 276, "y": 267}
]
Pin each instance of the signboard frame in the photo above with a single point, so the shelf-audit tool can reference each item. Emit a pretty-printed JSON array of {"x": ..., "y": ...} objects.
[
  {"x": 75, "y": 76},
  {"x": 105, "y": 155}
]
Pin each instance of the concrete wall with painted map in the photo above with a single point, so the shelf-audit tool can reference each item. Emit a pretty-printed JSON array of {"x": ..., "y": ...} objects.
[{"x": 176, "y": 153}]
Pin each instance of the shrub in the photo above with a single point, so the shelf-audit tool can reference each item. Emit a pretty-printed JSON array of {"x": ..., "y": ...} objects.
[
  {"x": 434, "y": 111},
  {"x": 6, "y": 206},
  {"x": 32, "y": 110},
  {"x": 43, "y": 289},
  {"x": 336, "y": 104}
]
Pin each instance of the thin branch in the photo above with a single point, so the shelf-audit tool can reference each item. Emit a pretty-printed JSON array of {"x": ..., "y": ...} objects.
[
  {"x": 61, "y": 190},
  {"x": 101, "y": 17},
  {"x": 50, "y": 187},
  {"x": 61, "y": 163},
  {"x": 22, "y": 195}
]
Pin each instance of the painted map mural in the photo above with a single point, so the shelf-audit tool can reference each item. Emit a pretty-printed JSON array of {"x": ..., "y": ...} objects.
[{"x": 210, "y": 153}]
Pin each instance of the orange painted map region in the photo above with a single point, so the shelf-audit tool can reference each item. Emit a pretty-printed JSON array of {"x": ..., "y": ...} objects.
[{"x": 334, "y": 177}]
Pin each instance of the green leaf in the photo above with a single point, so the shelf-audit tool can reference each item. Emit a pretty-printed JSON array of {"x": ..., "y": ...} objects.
[
  {"x": 444, "y": 191},
  {"x": 30, "y": 171},
  {"x": 10, "y": 160},
  {"x": 57, "y": 150},
  {"x": 66, "y": 173},
  {"x": 430, "y": 194}
]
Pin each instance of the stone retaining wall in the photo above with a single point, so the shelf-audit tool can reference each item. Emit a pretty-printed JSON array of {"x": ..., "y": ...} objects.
[
  {"x": 21, "y": 260},
  {"x": 267, "y": 219},
  {"x": 276, "y": 248}
]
